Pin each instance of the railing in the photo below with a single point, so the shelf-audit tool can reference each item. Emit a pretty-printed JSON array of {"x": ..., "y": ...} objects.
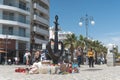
[
  {"x": 15, "y": 33},
  {"x": 16, "y": 4},
  {"x": 42, "y": 31},
  {"x": 14, "y": 18},
  {"x": 41, "y": 19},
  {"x": 36, "y": 5},
  {"x": 41, "y": 41},
  {"x": 46, "y": 2}
]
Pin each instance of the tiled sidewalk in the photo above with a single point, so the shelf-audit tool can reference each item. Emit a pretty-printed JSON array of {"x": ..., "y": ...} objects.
[{"x": 99, "y": 72}]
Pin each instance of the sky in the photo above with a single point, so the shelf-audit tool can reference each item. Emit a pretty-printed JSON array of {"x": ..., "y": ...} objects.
[{"x": 106, "y": 14}]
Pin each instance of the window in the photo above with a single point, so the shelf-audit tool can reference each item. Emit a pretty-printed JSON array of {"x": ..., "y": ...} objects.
[
  {"x": 21, "y": 45},
  {"x": 7, "y": 30},
  {"x": 8, "y": 15},
  {"x": 22, "y": 18},
  {"x": 11, "y": 16},
  {"x": 22, "y": 32},
  {"x": 22, "y": 5},
  {"x": 41, "y": 14},
  {"x": 10, "y": 30},
  {"x": 8, "y": 2}
]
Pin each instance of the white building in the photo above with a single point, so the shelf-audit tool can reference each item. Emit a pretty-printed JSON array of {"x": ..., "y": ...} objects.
[
  {"x": 20, "y": 22},
  {"x": 61, "y": 35}
]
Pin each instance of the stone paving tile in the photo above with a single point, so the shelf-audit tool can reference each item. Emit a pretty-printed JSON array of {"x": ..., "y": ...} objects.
[{"x": 99, "y": 72}]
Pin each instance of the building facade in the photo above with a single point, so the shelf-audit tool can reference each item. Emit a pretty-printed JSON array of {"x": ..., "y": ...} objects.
[
  {"x": 21, "y": 22},
  {"x": 61, "y": 34},
  {"x": 40, "y": 22}
]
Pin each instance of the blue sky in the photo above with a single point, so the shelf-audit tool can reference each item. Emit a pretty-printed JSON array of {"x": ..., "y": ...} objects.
[{"x": 106, "y": 15}]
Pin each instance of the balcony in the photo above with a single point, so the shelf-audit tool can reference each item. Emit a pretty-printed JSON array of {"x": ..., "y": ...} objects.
[
  {"x": 15, "y": 7},
  {"x": 41, "y": 31},
  {"x": 46, "y": 2},
  {"x": 12, "y": 20},
  {"x": 28, "y": 1},
  {"x": 40, "y": 19},
  {"x": 40, "y": 8},
  {"x": 40, "y": 41},
  {"x": 16, "y": 23}
]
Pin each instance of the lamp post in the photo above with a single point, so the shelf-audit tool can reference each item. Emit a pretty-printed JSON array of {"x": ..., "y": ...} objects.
[
  {"x": 32, "y": 45},
  {"x": 6, "y": 48},
  {"x": 86, "y": 19}
]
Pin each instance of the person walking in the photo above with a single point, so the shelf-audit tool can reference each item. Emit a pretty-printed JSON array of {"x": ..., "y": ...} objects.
[
  {"x": 79, "y": 55},
  {"x": 90, "y": 55},
  {"x": 27, "y": 56}
]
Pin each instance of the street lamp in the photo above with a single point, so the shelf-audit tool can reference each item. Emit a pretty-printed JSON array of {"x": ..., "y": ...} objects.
[
  {"x": 86, "y": 19},
  {"x": 32, "y": 42},
  {"x": 6, "y": 47}
]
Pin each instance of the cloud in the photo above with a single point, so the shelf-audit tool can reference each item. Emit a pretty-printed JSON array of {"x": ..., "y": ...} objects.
[
  {"x": 113, "y": 34},
  {"x": 110, "y": 38},
  {"x": 116, "y": 39}
]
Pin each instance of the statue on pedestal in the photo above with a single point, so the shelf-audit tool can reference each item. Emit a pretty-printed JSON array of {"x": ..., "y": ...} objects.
[{"x": 110, "y": 56}]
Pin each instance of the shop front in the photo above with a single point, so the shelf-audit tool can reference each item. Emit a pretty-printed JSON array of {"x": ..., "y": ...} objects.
[{"x": 7, "y": 49}]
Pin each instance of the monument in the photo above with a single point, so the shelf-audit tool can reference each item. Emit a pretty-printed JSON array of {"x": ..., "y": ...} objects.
[
  {"x": 53, "y": 52},
  {"x": 110, "y": 56}
]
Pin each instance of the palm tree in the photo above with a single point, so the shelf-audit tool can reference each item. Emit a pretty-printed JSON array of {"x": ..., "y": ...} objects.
[
  {"x": 100, "y": 49},
  {"x": 96, "y": 48},
  {"x": 81, "y": 42},
  {"x": 70, "y": 43}
]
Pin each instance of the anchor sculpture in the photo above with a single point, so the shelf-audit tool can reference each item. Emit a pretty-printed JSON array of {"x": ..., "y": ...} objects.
[{"x": 55, "y": 53}]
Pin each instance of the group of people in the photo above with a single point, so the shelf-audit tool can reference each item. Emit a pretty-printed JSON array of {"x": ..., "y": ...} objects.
[
  {"x": 90, "y": 55},
  {"x": 37, "y": 56}
]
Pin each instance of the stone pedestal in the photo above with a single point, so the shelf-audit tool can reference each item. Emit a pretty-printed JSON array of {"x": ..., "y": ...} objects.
[{"x": 110, "y": 59}]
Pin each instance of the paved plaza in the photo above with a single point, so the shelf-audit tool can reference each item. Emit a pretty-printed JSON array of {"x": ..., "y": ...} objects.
[{"x": 99, "y": 72}]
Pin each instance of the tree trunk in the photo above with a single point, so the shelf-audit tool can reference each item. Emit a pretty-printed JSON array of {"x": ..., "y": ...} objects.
[{"x": 71, "y": 50}]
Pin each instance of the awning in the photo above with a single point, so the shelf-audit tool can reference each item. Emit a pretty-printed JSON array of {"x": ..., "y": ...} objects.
[{"x": 1, "y": 51}]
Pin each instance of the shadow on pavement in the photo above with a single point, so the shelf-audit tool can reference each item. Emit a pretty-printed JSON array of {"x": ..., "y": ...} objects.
[{"x": 92, "y": 69}]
